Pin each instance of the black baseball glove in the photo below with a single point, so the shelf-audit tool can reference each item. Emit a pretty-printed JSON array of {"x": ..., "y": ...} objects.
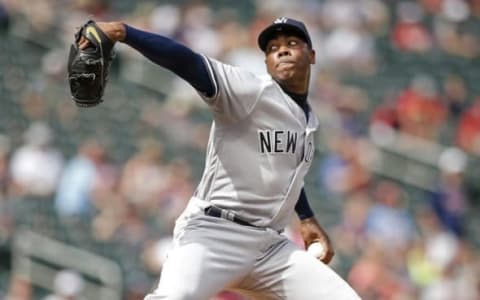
[{"x": 88, "y": 68}]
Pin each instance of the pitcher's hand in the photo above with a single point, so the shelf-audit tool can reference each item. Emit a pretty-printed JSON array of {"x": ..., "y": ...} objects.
[
  {"x": 115, "y": 31},
  {"x": 312, "y": 232}
]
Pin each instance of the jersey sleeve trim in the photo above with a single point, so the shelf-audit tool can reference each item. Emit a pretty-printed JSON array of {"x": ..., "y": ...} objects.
[{"x": 213, "y": 79}]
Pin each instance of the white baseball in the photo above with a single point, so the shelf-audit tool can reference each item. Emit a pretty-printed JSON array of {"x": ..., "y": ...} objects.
[{"x": 316, "y": 250}]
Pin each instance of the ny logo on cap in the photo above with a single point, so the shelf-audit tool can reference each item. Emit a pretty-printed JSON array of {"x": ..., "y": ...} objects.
[{"x": 280, "y": 20}]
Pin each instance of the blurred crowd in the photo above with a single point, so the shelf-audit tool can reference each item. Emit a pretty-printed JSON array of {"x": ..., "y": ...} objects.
[{"x": 383, "y": 69}]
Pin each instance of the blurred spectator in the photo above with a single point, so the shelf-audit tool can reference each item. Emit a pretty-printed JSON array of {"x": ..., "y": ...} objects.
[
  {"x": 419, "y": 109},
  {"x": 455, "y": 94},
  {"x": 455, "y": 32},
  {"x": 108, "y": 219},
  {"x": 165, "y": 19},
  {"x": 74, "y": 195},
  {"x": 409, "y": 34},
  {"x": 327, "y": 90},
  {"x": 144, "y": 176},
  {"x": 343, "y": 170},
  {"x": 373, "y": 278},
  {"x": 98, "y": 8},
  {"x": 178, "y": 190},
  {"x": 431, "y": 6},
  {"x": 34, "y": 104},
  {"x": 350, "y": 49},
  {"x": 385, "y": 113},
  {"x": 348, "y": 46},
  {"x": 433, "y": 252},
  {"x": 19, "y": 289},
  {"x": 37, "y": 164},
  {"x": 421, "y": 269},
  {"x": 132, "y": 231},
  {"x": 388, "y": 221},
  {"x": 341, "y": 13},
  {"x": 350, "y": 106},
  {"x": 197, "y": 29},
  {"x": 137, "y": 285},
  {"x": 443, "y": 266},
  {"x": 351, "y": 230},
  {"x": 455, "y": 10},
  {"x": 468, "y": 45},
  {"x": 376, "y": 16},
  {"x": 109, "y": 204},
  {"x": 105, "y": 189},
  {"x": 240, "y": 47},
  {"x": 449, "y": 200},
  {"x": 175, "y": 121},
  {"x": 468, "y": 132}
]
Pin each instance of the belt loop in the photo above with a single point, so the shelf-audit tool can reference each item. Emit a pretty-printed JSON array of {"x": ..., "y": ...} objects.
[
  {"x": 230, "y": 215},
  {"x": 223, "y": 214}
]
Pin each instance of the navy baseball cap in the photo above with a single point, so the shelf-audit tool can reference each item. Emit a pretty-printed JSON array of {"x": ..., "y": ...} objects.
[{"x": 287, "y": 25}]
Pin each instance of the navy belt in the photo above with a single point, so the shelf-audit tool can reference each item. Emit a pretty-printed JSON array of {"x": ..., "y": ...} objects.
[{"x": 217, "y": 212}]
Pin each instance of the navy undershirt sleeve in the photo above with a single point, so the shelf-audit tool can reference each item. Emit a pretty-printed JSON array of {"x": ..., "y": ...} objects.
[
  {"x": 173, "y": 56},
  {"x": 302, "y": 208}
]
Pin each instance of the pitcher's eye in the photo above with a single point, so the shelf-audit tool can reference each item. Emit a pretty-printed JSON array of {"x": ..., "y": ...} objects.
[
  {"x": 292, "y": 42},
  {"x": 272, "y": 48}
]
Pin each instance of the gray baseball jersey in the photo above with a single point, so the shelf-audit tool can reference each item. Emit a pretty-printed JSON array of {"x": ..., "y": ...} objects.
[{"x": 260, "y": 148}]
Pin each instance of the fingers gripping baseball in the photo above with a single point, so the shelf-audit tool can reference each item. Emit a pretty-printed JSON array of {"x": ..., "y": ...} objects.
[
  {"x": 316, "y": 250},
  {"x": 316, "y": 240}
]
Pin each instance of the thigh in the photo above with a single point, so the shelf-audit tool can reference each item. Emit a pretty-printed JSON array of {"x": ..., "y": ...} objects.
[
  {"x": 292, "y": 274},
  {"x": 188, "y": 274},
  {"x": 206, "y": 258}
]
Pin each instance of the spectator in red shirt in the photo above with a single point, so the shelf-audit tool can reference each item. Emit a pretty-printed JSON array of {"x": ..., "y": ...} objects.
[
  {"x": 468, "y": 132},
  {"x": 409, "y": 34},
  {"x": 419, "y": 109}
]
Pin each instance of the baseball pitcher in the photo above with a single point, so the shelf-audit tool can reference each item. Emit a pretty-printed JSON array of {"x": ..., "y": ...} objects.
[{"x": 260, "y": 149}]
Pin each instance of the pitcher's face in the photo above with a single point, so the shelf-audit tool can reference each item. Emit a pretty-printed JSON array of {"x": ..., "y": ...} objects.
[{"x": 288, "y": 59}]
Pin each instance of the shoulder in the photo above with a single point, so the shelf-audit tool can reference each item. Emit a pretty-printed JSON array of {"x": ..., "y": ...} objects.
[
  {"x": 232, "y": 71},
  {"x": 270, "y": 86}
]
